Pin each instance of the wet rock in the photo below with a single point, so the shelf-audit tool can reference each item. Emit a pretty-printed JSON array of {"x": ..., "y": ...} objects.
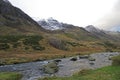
[
  {"x": 91, "y": 63},
  {"x": 73, "y": 59},
  {"x": 57, "y": 60},
  {"x": 84, "y": 57},
  {"x": 50, "y": 68},
  {"x": 91, "y": 59}
]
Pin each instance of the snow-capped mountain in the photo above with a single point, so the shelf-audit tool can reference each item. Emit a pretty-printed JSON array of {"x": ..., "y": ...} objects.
[{"x": 50, "y": 24}]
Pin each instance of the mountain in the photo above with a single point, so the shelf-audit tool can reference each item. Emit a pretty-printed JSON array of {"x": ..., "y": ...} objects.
[
  {"x": 50, "y": 24},
  {"x": 90, "y": 32},
  {"x": 101, "y": 34},
  {"x": 58, "y": 40},
  {"x": 15, "y": 20},
  {"x": 91, "y": 28},
  {"x": 53, "y": 24}
]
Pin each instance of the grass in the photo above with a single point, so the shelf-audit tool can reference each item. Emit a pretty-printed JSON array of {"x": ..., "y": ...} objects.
[
  {"x": 10, "y": 76},
  {"x": 26, "y": 48},
  {"x": 23, "y": 42},
  {"x": 105, "y": 73},
  {"x": 116, "y": 60}
]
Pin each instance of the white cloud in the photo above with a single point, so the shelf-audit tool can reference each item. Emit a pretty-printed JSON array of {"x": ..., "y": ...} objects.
[
  {"x": 111, "y": 21},
  {"x": 77, "y": 12}
]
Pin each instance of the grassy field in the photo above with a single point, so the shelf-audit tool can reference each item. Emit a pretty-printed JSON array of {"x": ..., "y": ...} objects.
[
  {"x": 10, "y": 76},
  {"x": 106, "y": 73},
  {"x": 26, "y": 48}
]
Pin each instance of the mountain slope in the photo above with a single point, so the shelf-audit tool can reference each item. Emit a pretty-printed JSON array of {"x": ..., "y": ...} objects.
[
  {"x": 59, "y": 40},
  {"x": 15, "y": 20},
  {"x": 101, "y": 34}
]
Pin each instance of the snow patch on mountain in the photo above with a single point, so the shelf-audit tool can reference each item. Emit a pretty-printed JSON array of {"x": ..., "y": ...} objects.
[{"x": 51, "y": 24}]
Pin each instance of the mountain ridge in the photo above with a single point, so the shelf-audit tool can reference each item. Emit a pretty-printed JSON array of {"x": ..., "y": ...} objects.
[{"x": 15, "y": 19}]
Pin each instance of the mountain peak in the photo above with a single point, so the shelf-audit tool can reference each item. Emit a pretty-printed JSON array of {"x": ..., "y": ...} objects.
[
  {"x": 92, "y": 28},
  {"x": 50, "y": 24},
  {"x": 53, "y": 24}
]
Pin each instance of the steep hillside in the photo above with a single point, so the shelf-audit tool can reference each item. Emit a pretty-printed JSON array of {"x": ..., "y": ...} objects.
[
  {"x": 13, "y": 20},
  {"x": 23, "y": 40}
]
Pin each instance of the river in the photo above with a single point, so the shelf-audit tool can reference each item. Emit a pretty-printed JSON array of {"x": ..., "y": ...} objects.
[{"x": 33, "y": 70}]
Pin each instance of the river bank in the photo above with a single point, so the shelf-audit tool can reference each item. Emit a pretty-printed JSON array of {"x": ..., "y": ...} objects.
[{"x": 33, "y": 70}]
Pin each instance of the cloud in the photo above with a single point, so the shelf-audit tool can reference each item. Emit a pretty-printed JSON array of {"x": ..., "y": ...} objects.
[{"x": 110, "y": 20}]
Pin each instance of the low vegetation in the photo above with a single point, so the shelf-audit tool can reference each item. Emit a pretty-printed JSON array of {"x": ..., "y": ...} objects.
[
  {"x": 26, "y": 48},
  {"x": 10, "y": 76},
  {"x": 116, "y": 61},
  {"x": 106, "y": 73},
  {"x": 4, "y": 46},
  {"x": 15, "y": 41}
]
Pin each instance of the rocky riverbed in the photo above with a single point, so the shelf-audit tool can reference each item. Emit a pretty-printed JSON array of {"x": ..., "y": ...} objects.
[{"x": 33, "y": 70}]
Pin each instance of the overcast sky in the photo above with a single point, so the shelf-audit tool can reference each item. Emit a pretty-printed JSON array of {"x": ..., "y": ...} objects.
[{"x": 77, "y": 12}]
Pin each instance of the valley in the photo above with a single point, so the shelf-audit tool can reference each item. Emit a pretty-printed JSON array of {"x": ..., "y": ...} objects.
[{"x": 51, "y": 50}]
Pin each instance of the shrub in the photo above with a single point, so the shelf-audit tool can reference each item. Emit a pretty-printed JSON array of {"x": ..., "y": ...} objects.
[
  {"x": 109, "y": 44},
  {"x": 4, "y": 46},
  {"x": 9, "y": 38},
  {"x": 116, "y": 60},
  {"x": 26, "y": 48},
  {"x": 50, "y": 68},
  {"x": 32, "y": 40},
  {"x": 15, "y": 45}
]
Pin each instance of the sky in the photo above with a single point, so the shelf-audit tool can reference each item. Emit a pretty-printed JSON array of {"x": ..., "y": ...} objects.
[{"x": 101, "y": 13}]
